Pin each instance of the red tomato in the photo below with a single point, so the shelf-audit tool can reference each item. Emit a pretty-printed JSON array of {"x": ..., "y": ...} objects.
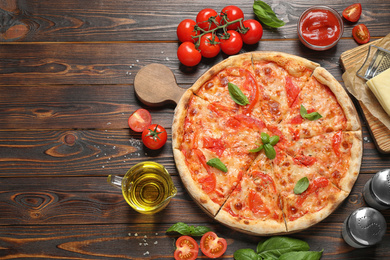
[
  {"x": 186, "y": 248},
  {"x": 188, "y": 54},
  {"x": 361, "y": 34},
  {"x": 256, "y": 204},
  {"x": 352, "y": 13},
  {"x": 208, "y": 183},
  {"x": 185, "y": 30},
  {"x": 232, "y": 13},
  {"x": 209, "y": 45},
  {"x": 154, "y": 137},
  {"x": 140, "y": 120},
  {"x": 254, "y": 33},
  {"x": 212, "y": 245},
  {"x": 208, "y": 19},
  {"x": 233, "y": 44}
]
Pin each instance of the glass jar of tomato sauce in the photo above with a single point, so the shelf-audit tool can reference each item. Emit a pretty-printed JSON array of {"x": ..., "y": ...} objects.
[{"x": 320, "y": 28}]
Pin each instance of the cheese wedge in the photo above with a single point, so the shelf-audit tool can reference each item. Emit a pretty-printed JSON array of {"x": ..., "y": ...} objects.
[{"x": 380, "y": 86}]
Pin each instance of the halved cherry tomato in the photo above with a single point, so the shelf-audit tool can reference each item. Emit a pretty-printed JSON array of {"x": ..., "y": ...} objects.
[
  {"x": 361, "y": 34},
  {"x": 154, "y": 136},
  {"x": 208, "y": 19},
  {"x": 212, "y": 245},
  {"x": 232, "y": 13},
  {"x": 209, "y": 45},
  {"x": 186, "y": 248},
  {"x": 140, "y": 120},
  {"x": 188, "y": 54},
  {"x": 254, "y": 33},
  {"x": 233, "y": 44},
  {"x": 185, "y": 30},
  {"x": 352, "y": 13}
]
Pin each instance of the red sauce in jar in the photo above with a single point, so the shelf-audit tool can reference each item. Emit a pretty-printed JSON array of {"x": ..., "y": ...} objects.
[{"x": 320, "y": 27}]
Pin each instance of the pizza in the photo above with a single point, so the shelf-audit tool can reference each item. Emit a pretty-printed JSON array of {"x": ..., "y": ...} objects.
[{"x": 267, "y": 142}]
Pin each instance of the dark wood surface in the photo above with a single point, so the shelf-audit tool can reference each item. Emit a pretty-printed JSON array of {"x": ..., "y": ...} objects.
[{"x": 66, "y": 91}]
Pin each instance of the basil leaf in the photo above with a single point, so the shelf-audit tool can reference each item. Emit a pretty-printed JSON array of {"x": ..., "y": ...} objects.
[
  {"x": 187, "y": 230},
  {"x": 269, "y": 151},
  {"x": 237, "y": 95},
  {"x": 265, "y": 14},
  {"x": 302, "y": 255},
  {"x": 274, "y": 140},
  {"x": 258, "y": 149},
  {"x": 313, "y": 116},
  {"x": 301, "y": 185},
  {"x": 274, "y": 247},
  {"x": 216, "y": 163},
  {"x": 246, "y": 254},
  {"x": 265, "y": 138}
]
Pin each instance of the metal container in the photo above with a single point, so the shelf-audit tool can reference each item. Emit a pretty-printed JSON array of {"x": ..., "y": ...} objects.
[
  {"x": 376, "y": 191},
  {"x": 364, "y": 227}
]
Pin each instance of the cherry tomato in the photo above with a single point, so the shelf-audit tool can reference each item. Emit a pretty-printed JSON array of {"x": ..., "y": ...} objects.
[
  {"x": 186, "y": 248},
  {"x": 208, "y": 19},
  {"x": 188, "y": 54},
  {"x": 154, "y": 136},
  {"x": 361, "y": 34},
  {"x": 254, "y": 33},
  {"x": 232, "y": 13},
  {"x": 233, "y": 44},
  {"x": 140, "y": 120},
  {"x": 209, "y": 45},
  {"x": 352, "y": 13},
  {"x": 212, "y": 245},
  {"x": 185, "y": 30}
]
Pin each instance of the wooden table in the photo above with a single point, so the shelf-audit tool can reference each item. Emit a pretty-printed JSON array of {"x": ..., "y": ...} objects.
[{"x": 66, "y": 91}]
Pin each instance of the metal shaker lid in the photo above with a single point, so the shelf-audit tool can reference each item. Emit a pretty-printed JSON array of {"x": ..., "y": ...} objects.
[
  {"x": 367, "y": 226},
  {"x": 380, "y": 186}
]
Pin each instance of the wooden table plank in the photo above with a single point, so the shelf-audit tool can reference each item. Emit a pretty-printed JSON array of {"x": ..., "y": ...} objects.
[{"x": 124, "y": 20}]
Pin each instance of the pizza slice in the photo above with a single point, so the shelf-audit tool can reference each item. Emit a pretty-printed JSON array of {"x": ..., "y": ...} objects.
[
  {"x": 304, "y": 207},
  {"x": 321, "y": 94},
  {"x": 335, "y": 155},
  {"x": 280, "y": 78},
  {"x": 254, "y": 206},
  {"x": 207, "y": 183}
]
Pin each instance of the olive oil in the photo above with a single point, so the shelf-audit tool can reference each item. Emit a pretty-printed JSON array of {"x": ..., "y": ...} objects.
[{"x": 148, "y": 187}]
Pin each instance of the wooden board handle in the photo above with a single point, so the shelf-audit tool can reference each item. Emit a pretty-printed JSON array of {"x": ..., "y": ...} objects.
[{"x": 155, "y": 85}]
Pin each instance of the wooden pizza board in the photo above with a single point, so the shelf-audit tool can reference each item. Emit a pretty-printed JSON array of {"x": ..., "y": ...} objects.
[{"x": 379, "y": 132}]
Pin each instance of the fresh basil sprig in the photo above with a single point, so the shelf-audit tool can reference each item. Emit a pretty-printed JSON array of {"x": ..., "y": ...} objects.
[
  {"x": 268, "y": 145},
  {"x": 312, "y": 116},
  {"x": 265, "y": 14},
  {"x": 237, "y": 95},
  {"x": 279, "y": 247},
  {"x": 217, "y": 163},
  {"x": 301, "y": 185},
  {"x": 187, "y": 230}
]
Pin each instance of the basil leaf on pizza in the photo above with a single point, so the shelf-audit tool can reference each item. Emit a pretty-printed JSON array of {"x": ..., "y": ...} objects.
[
  {"x": 269, "y": 151},
  {"x": 258, "y": 149},
  {"x": 265, "y": 138},
  {"x": 301, "y": 185},
  {"x": 312, "y": 116},
  {"x": 237, "y": 95},
  {"x": 274, "y": 140},
  {"x": 216, "y": 163}
]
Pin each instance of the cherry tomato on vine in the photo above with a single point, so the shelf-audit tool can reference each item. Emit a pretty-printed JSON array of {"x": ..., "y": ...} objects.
[
  {"x": 185, "y": 30},
  {"x": 188, "y": 54},
  {"x": 208, "y": 19},
  {"x": 154, "y": 136},
  {"x": 361, "y": 34},
  {"x": 186, "y": 248},
  {"x": 232, "y": 13},
  {"x": 209, "y": 45},
  {"x": 233, "y": 44},
  {"x": 352, "y": 13},
  {"x": 140, "y": 120},
  {"x": 254, "y": 33},
  {"x": 212, "y": 245}
]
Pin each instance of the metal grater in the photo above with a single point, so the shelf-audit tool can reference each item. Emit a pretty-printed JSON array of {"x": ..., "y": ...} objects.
[{"x": 377, "y": 61}]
